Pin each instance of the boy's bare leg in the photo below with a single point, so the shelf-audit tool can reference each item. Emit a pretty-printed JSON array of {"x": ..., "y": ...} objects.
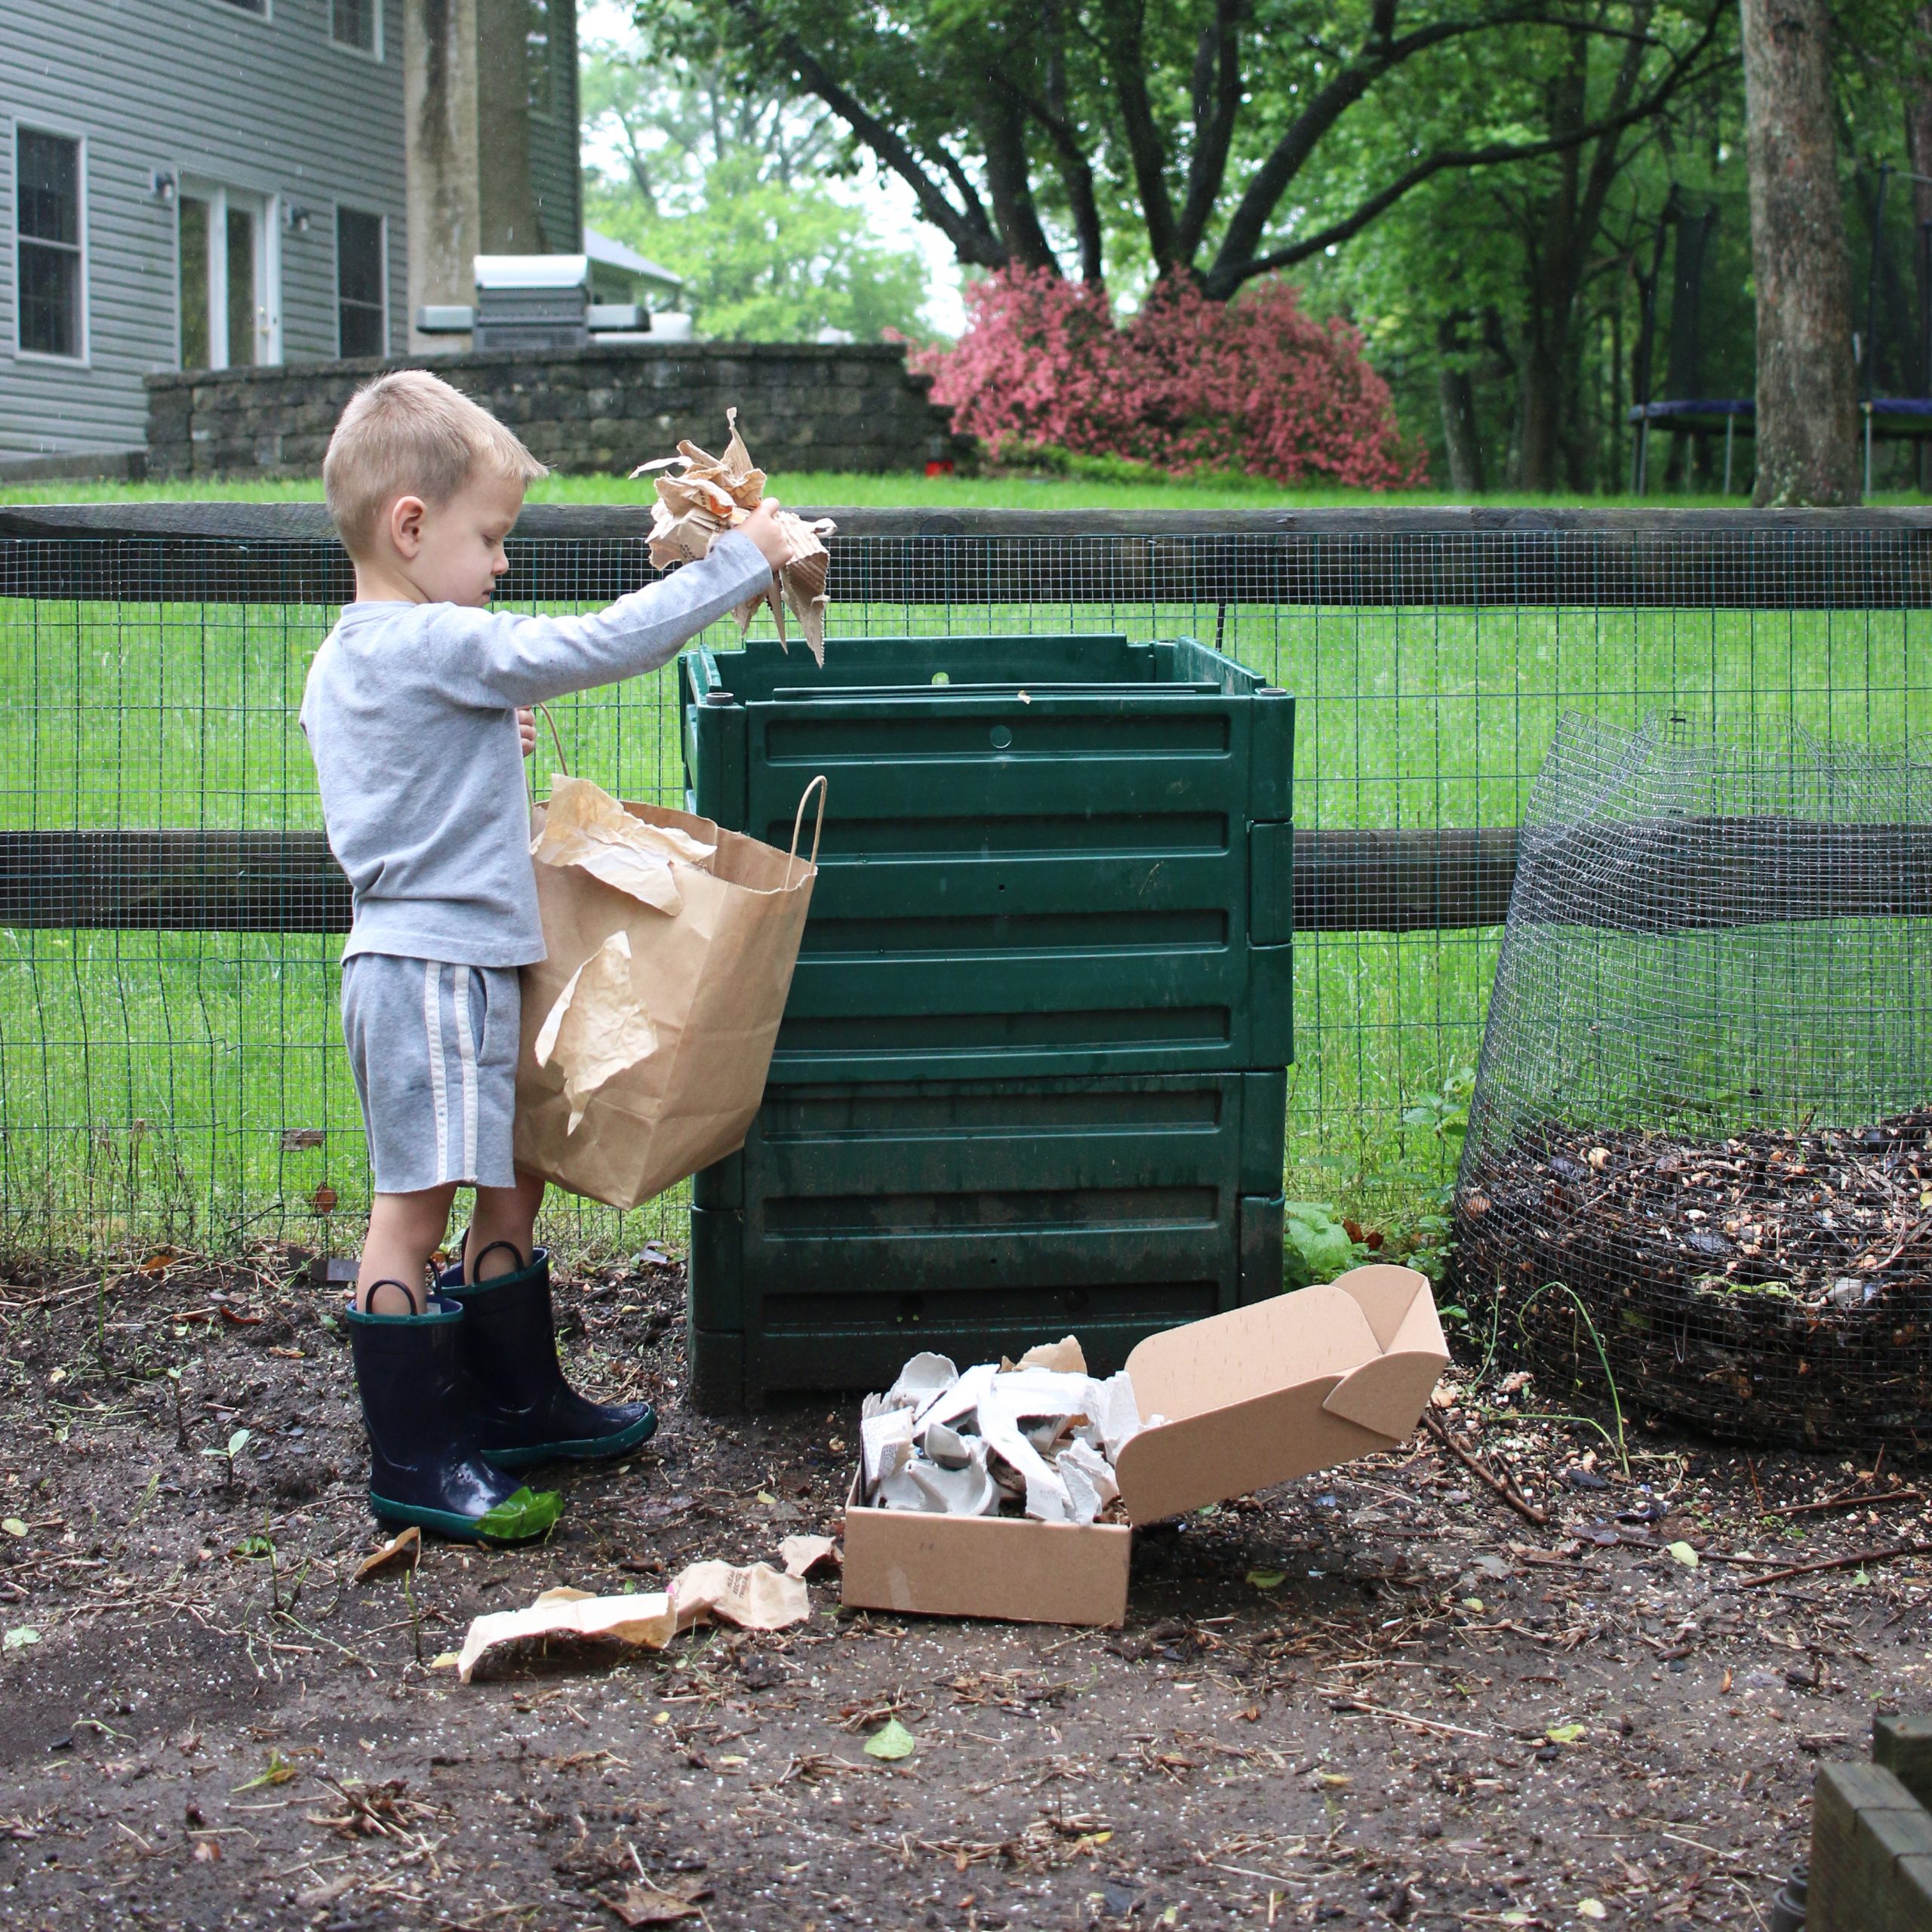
[
  {"x": 504, "y": 1213},
  {"x": 404, "y": 1231}
]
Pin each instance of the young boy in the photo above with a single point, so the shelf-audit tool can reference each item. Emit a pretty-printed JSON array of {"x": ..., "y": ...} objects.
[{"x": 415, "y": 714}]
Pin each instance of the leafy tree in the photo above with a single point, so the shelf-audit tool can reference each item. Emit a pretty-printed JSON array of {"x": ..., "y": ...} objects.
[
  {"x": 727, "y": 186},
  {"x": 765, "y": 262},
  {"x": 1188, "y": 134}
]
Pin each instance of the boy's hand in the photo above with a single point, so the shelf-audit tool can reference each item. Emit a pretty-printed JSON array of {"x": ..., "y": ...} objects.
[
  {"x": 526, "y": 729},
  {"x": 761, "y": 527}
]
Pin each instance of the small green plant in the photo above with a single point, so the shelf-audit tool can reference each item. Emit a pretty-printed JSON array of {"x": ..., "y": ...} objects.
[
  {"x": 1445, "y": 1111},
  {"x": 1596, "y": 1341},
  {"x": 1316, "y": 1244},
  {"x": 261, "y": 1549},
  {"x": 230, "y": 1449}
]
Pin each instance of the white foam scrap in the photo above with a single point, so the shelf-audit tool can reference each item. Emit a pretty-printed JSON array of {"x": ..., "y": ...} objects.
[
  {"x": 923, "y": 1377},
  {"x": 1042, "y": 1430},
  {"x": 1094, "y": 1468},
  {"x": 946, "y": 1446}
]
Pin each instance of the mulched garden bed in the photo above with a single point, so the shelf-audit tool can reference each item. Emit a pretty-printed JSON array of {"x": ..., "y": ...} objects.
[{"x": 1769, "y": 1286}]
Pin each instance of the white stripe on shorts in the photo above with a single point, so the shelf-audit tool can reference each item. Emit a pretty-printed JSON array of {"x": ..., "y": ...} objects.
[
  {"x": 439, "y": 1098},
  {"x": 465, "y": 1047}
]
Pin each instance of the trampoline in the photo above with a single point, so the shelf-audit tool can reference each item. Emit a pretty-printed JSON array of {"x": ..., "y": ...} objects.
[{"x": 1892, "y": 351}]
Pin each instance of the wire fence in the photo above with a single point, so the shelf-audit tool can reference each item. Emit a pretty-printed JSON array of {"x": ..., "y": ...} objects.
[{"x": 171, "y": 1063}]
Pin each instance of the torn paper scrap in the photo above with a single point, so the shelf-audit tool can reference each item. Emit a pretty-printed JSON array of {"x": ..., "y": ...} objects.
[
  {"x": 646, "y": 1620},
  {"x": 584, "y": 826},
  {"x": 1066, "y": 1357},
  {"x": 598, "y": 1026},
  {"x": 756, "y": 1598},
  {"x": 885, "y": 1443},
  {"x": 802, "y": 1555}
]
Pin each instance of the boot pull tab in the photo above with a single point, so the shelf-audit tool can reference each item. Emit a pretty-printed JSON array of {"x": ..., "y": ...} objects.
[
  {"x": 417, "y": 1298},
  {"x": 475, "y": 1274}
]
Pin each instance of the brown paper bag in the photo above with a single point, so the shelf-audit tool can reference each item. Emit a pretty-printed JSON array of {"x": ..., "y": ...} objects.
[{"x": 660, "y": 1024}]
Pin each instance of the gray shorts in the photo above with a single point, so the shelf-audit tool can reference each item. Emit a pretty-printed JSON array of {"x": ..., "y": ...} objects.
[{"x": 434, "y": 1049}]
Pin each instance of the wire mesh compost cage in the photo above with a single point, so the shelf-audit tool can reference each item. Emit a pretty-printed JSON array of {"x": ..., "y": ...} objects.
[
  {"x": 1699, "y": 1156},
  {"x": 171, "y": 1066}
]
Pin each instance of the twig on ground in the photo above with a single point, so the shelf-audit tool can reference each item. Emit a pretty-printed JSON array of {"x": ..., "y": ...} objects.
[
  {"x": 1850, "y": 1498},
  {"x": 1856, "y": 1562},
  {"x": 1434, "y": 1726},
  {"x": 1502, "y": 1485}
]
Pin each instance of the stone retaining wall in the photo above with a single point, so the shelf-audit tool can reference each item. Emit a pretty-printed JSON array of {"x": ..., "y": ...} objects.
[{"x": 599, "y": 410}]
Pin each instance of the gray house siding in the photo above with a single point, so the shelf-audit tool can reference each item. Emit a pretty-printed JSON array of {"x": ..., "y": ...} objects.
[
  {"x": 555, "y": 180},
  {"x": 210, "y": 92}
]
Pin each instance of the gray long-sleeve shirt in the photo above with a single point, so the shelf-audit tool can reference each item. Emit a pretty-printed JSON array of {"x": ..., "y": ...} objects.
[{"x": 410, "y": 714}]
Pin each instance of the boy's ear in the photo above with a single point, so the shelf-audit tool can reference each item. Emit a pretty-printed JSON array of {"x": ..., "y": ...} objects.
[{"x": 405, "y": 521}]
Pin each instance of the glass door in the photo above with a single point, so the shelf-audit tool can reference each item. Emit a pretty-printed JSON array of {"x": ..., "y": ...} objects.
[{"x": 230, "y": 301}]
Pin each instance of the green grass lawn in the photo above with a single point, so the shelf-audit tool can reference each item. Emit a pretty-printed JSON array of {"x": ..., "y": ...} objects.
[
  {"x": 809, "y": 488},
  {"x": 148, "y": 1080}
]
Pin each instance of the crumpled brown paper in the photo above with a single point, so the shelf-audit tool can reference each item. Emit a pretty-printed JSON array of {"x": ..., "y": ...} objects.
[
  {"x": 598, "y": 1026},
  {"x": 711, "y": 492},
  {"x": 583, "y": 825},
  {"x": 754, "y": 1597}
]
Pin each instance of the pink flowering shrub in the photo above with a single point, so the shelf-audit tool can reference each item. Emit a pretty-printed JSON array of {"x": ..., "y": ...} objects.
[{"x": 1252, "y": 385}]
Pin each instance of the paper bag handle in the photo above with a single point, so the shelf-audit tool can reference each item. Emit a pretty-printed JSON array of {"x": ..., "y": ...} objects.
[
  {"x": 819, "y": 785},
  {"x": 556, "y": 736}
]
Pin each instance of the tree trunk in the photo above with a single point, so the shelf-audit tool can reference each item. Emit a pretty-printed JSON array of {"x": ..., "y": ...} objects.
[
  {"x": 1807, "y": 387},
  {"x": 1457, "y": 393}
]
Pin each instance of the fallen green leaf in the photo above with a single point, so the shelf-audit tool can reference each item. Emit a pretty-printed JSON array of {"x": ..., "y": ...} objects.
[
  {"x": 1565, "y": 1733},
  {"x": 891, "y": 1742},
  {"x": 1267, "y": 1579},
  {"x": 20, "y": 1636},
  {"x": 528, "y": 1513},
  {"x": 1591, "y": 1908},
  {"x": 14, "y": 1527},
  {"x": 1684, "y": 1554}
]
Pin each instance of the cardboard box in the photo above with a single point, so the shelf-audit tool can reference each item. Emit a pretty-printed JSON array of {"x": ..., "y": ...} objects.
[{"x": 1250, "y": 1399}]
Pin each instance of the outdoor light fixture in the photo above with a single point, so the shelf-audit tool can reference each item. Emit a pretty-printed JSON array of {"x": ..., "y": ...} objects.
[
  {"x": 162, "y": 186},
  {"x": 296, "y": 217}
]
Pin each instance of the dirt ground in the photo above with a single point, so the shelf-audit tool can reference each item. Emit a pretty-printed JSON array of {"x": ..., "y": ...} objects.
[{"x": 1383, "y": 1695}]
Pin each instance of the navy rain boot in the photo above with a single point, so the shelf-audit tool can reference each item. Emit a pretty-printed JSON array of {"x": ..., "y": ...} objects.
[
  {"x": 526, "y": 1411},
  {"x": 426, "y": 1460}
]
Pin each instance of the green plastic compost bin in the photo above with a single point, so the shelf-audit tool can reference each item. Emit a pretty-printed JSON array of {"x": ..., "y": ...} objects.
[{"x": 1030, "y": 1078}]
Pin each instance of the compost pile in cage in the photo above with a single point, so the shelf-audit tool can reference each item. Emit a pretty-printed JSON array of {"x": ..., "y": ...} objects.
[{"x": 1699, "y": 1162}]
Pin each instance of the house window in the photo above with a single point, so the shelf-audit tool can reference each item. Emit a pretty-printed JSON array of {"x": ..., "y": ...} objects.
[
  {"x": 251, "y": 7},
  {"x": 539, "y": 49},
  {"x": 362, "y": 323},
  {"x": 49, "y": 268},
  {"x": 358, "y": 23}
]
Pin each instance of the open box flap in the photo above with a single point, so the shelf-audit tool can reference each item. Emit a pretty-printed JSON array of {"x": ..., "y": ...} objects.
[
  {"x": 1262, "y": 1394},
  {"x": 1387, "y": 1395},
  {"x": 1251, "y": 1351},
  {"x": 1231, "y": 1451}
]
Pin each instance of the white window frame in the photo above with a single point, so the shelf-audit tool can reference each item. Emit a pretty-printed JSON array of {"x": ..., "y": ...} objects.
[
  {"x": 261, "y": 14},
  {"x": 374, "y": 52},
  {"x": 55, "y": 131},
  {"x": 383, "y": 255},
  {"x": 266, "y": 209}
]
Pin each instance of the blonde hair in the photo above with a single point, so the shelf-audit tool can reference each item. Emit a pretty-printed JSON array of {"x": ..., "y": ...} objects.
[{"x": 409, "y": 433}]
